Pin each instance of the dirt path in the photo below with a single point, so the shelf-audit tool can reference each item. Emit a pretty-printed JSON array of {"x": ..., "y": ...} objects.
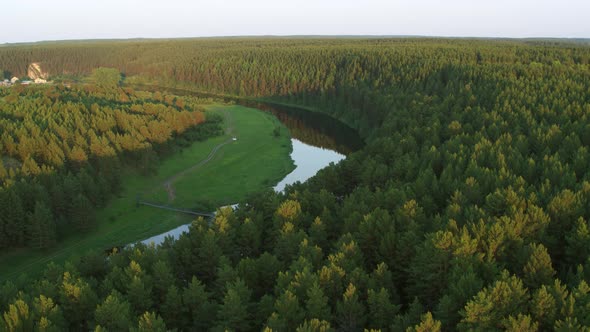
[{"x": 168, "y": 183}]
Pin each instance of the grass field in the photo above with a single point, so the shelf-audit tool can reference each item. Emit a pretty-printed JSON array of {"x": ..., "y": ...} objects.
[{"x": 256, "y": 160}]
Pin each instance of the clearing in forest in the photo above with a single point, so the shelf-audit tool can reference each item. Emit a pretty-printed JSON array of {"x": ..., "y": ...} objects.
[{"x": 255, "y": 161}]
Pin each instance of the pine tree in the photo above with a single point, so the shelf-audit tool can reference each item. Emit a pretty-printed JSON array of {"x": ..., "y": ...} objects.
[
  {"x": 12, "y": 217},
  {"x": 521, "y": 323},
  {"x": 263, "y": 310},
  {"x": 538, "y": 269},
  {"x": 578, "y": 243},
  {"x": 162, "y": 278},
  {"x": 350, "y": 311},
  {"x": 139, "y": 295},
  {"x": 81, "y": 213},
  {"x": 42, "y": 232},
  {"x": 114, "y": 313},
  {"x": 318, "y": 233},
  {"x": 172, "y": 308},
  {"x": 427, "y": 324},
  {"x": 3, "y": 172},
  {"x": 569, "y": 324},
  {"x": 491, "y": 307},
  {"x": 48, "y": 314},
  {"x": 150, "y": 322},
  {"x": 410, "y": 318},
  {"x": 78, "y": 301},
  {"x": 195, "y": 300},
  {"x": 315, "y": 325},
  {"x": 18, "y": 317},
  {"x": 544, "y": 307},
  {"x": 288, "y": 313},
  {"x": 381, "y": 310},
  {"x": 233, "y": 312},
  {"x": 317, "y": 304}
]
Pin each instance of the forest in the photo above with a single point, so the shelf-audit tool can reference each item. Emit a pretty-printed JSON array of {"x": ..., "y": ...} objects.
[
  {"x": 468, "y": 209},
  {"x": 63, "y": 149}
]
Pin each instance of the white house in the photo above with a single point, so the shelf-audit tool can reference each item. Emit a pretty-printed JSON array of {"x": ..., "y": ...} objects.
[{"x": 14, "y": 80}]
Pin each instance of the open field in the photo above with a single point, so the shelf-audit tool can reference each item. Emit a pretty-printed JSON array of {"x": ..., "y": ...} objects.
[{"x": 254, "y": 161}]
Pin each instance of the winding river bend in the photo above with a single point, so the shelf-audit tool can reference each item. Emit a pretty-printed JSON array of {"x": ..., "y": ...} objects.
[{"x": 317, "y": 139}]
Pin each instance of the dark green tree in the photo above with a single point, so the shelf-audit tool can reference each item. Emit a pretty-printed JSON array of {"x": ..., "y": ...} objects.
[
  {"x": 350, "y": 311},
  {"x": 114, "y": 314},
  {"x": 150, "y": 322},
  {"x": 196, "y": 302},
  {"x": 42, "y": 227},
  {"x": 172, "y": 309},
  {"x": 317, "y": 304},
  {"x": 234, "y": 311}
]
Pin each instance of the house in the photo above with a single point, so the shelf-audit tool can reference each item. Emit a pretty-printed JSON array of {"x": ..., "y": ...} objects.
[
  {"x": 39, "y": 80},
  {"x": 14, "y": 80}
]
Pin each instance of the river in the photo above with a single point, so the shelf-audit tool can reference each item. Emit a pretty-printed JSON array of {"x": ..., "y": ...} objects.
[{"x": 317, "y": 141}]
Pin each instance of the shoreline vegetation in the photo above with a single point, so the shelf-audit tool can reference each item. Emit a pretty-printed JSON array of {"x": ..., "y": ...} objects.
[{"x": 120, "y": 221}]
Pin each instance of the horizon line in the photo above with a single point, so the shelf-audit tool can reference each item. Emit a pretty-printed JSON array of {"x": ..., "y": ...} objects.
[{"x": 318, "y": 36}]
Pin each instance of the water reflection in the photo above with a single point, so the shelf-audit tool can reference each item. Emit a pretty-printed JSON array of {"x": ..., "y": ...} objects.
[
  {"x": 175, "y": 234},
  {"x": 312, "y": 128},
  {"x": 317, "y": 140},
  {"x": 308, "y": 160}
]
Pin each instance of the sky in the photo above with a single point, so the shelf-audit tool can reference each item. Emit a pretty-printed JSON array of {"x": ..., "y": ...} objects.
[{"x": 38, "y": 20}]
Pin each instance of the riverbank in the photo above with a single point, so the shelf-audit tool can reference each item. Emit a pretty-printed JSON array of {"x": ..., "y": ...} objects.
[
  {"x": 256, "y": 160},
  {"x": 138, "y": 82}
]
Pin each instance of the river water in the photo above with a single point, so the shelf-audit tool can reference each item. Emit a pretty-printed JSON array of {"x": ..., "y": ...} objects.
[
  {"x": 308, "y": 160},
  {"x": 318, "y": 140}
]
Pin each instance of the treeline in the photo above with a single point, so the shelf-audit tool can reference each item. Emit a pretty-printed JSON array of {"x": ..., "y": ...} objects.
[
  {"x": 63, "y": 151},
  {"x": 329, "y": 74},
  {"x": 468, "y": 209}
]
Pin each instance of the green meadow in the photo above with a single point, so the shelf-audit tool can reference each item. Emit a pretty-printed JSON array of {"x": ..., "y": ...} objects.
[{"x": 257, "y": 159}]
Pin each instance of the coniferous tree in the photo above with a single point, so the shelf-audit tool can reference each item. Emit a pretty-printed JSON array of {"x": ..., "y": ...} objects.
[
  {"x": 42, "y": 227},
  {"x": 381, "y": 310},
  {"x": 171, "y": 308},
  {"x": 114, "y": 313},
  {"x": 317, "y": 304},
  {"x": 81, "y": 213},
  {"x": 48, "y": 314},
  {"x": 427, "y": 324},
  {"x": 18, "y": 317},
  {"x": 12, "y": 218},
  {"x": 78, "y": 300},
  {"x": 350, "y": 311},
  {"x": 234, "y": 311},
  {"x": 150, "y": 322},
  {"x": 196, "y": 302}
]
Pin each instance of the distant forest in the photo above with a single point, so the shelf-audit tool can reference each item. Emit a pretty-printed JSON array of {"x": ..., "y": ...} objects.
[{"x": 468, "y": 209}]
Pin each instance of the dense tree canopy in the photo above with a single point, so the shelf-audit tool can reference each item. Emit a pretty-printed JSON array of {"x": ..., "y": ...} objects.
[
  {"x": 467, "y": 210},
  {"x": 62, "y": 150},
  {"x": 106, "y": 78}
]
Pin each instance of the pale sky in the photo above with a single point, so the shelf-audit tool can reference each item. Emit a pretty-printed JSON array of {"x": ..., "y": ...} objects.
[{"x": 36, "y": 20}]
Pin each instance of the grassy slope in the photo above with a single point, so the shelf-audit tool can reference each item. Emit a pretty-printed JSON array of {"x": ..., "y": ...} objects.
[{"x": 255, "y": 161}]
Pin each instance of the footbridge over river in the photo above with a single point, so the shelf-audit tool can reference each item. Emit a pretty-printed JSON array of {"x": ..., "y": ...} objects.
[{"x": 180, "y": 210}]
